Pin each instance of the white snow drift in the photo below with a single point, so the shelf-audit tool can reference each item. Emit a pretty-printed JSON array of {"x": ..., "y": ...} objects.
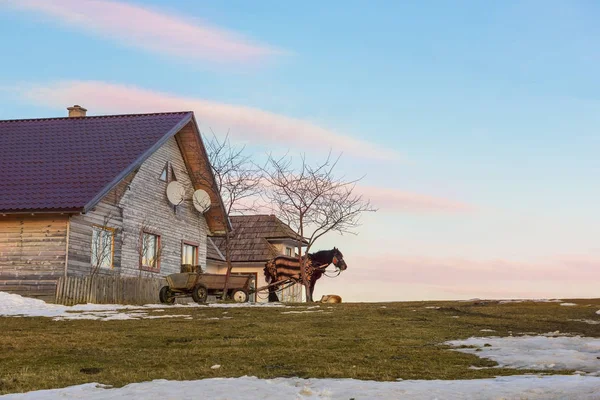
[
  {"x": 546, "y": 352},
  {"x": 13, "y": 305},
  {"x": 510, "y": 387}
]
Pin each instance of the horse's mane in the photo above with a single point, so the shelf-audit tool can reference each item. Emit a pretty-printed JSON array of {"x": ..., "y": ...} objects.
[{"x": 320, "y": 253}]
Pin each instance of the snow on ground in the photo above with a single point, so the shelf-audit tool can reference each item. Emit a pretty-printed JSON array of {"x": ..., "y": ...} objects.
[
  {"x": 307, "y": 311},
  {"x": 568, "y": 304},
  {"x": 548, "y": 352},
  {"x": 509, "y": 387},
  {"x": 530, "y": 300},
  {"x": 587, "y": 321},
  {"x": 13, "y": 305}
]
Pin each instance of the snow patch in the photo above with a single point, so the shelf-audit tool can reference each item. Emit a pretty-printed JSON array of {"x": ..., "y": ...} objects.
[
  {"x": 548, "y": 352},
  {"x": 13, "y": 305},
  {"x": 513, "y": 387},
  {"x": 306, "y": 312},
  {"x": 587, "y": 321},
  {"x": 530, "y": 300},
  {"x": 568, "y": 304}
]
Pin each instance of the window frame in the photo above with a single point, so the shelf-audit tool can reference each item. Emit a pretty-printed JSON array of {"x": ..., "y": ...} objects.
[
  {"x": 289, "y": 251},
  {"x": 112, "y": 232},
  {"x": 195, "y": 245},
  {"x": 156, "y": 252}
]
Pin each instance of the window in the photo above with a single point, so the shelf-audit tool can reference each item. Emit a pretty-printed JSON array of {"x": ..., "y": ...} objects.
[
  {"x": 288, "y": 251},
  {"x": 164, "y": 174},
  {"x": 102, "y": 247},
  {"x": 150, "y": 251},
  {"x": 189, "y": 254}
]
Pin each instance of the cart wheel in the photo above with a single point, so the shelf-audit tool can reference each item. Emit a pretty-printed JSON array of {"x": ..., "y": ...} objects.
[
  {"x": 240, "y": 296},
  {"x": 166, "y": 296},
  {"x": 200, "y": 293}
]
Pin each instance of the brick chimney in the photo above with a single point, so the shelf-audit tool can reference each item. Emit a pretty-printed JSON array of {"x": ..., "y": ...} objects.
[{"x": 76, "y": 111}]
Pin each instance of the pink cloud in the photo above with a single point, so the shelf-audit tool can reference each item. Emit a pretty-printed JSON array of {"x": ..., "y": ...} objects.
[
  {"x": 390, "y": 199},
  {"x": 244, "y": 123},
  {"x": 150, "y": 30},
  {"x": 468, "y": 278}
]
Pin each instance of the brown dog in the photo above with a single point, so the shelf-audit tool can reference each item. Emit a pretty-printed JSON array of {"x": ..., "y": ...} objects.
[{"x": 331, "y": 298}]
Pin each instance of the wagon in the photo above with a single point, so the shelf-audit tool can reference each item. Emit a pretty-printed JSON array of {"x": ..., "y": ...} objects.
[{"x": 199, "y": 285}]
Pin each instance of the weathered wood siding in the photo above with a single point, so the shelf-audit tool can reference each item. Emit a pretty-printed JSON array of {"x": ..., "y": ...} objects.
[
  {"x": 32, "y": 253},
  {"x": 80, "y": 238},
  {"x": 106, "y": 213},
  {"x": 146, "y": 205}
]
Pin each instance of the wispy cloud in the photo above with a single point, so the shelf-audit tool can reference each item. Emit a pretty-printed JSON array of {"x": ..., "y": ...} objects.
[
  {"x": 395, "y": 200},
  {"x": 150, "y": 30},
  {"x": 245, "y": 123}
]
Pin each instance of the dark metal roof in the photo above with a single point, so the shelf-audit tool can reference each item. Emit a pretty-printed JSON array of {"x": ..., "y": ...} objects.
[
  {"x": 252, "y": 236},
  {"x": 68, "y": 164}
]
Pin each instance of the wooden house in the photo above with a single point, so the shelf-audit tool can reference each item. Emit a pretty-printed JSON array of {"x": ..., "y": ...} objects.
[
  {"x": 84, "y": 194},
  {"x": 254, "y": 240}
]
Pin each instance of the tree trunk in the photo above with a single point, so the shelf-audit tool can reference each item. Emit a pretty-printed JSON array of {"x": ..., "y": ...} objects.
[
  {"x": 302, "y": 262},
  {"x": 229, "y": 265}
]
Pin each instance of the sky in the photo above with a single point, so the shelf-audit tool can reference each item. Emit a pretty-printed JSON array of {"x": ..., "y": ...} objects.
[{"x": 473, "y": 123}]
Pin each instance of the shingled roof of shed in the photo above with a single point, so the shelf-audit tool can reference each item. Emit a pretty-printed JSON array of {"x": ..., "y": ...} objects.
[
  {"x": 212, "y": 251},
  {"x": 251, "y": 237}
]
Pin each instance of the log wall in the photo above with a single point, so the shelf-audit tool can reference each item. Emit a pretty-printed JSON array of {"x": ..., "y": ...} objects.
[{"x": 32, "y": 253}]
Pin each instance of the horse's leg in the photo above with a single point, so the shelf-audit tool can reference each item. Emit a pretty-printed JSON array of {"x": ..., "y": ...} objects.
[
  {"x": 273, "y": 294},
  {"x": 311, "y": 289},
  {"x": 314, "y": 277}
]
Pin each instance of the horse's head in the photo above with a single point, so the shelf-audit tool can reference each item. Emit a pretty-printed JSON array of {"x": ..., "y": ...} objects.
[{"x": 338, "y": 259}]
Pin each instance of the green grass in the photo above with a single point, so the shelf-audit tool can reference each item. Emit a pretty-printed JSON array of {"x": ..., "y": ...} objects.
[{"x": 362, "y": 341}]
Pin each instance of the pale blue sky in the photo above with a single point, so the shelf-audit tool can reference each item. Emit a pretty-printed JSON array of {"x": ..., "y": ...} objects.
[{"x": 493, "y": 105}]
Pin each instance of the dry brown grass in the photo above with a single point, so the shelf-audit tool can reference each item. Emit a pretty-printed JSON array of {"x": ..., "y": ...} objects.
[{"x": 364, "y": 341}]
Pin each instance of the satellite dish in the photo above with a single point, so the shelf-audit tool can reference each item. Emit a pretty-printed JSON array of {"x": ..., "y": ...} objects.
[
  {"x": 201, "y": 200},
  {"x": 175, "y": 193}
]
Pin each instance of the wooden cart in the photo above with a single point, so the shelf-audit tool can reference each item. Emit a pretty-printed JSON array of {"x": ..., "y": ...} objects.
[{"x": 199, "y": 285}]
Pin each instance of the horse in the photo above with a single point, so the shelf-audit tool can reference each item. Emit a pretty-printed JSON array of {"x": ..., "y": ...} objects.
[
  {"x": 284, "y": 268},
  {"x": 331, "y": 298}
]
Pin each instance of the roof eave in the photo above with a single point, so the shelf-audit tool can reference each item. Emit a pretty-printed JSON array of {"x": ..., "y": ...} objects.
[
  {"x": 42, "y": 211},
  {"x": 212, "y": 175}
]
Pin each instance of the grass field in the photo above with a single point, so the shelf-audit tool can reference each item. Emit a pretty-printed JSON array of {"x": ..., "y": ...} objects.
[{"x": 373, "y": 341}]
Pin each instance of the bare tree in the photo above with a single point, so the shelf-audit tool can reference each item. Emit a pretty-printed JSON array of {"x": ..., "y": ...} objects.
[
  {"x": 312, "y": 200},
  {"x": 238, "y": 181},
  {"x": 103, "y": 241}
]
